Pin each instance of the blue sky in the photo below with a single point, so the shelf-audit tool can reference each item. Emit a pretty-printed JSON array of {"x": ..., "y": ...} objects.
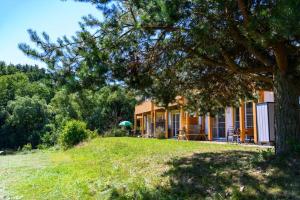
[{"x": 56, "y": 17}]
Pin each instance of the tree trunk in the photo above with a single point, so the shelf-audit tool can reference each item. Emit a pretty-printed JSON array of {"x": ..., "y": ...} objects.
[{"x": 287, "y": 114}]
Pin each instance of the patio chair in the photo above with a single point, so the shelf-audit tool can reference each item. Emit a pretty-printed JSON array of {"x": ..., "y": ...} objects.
[
  {"x": 237, "y": 135},
  {"x": 202, "y": 135},
  {"x": 230, "y": 134},
  {"x": 234, "y": 133}
]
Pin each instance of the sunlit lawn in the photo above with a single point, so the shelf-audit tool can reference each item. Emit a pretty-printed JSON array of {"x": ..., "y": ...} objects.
[{"x": 135, "y": 168}]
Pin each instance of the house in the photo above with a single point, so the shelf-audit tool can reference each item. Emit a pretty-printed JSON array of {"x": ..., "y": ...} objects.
[{"x": 149, "y": 118}]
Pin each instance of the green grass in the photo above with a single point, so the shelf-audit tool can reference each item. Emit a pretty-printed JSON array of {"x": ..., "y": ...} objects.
[{"x": 135, "y": 168}]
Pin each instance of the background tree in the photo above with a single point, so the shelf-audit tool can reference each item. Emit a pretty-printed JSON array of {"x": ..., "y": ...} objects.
[
  {"x": 9, "y": 86},
  {"x": 34, "y": 73},
  {"x": 26, "y": 120},
  {"x": 112, "y": 104},
  {"x": 101, "y": 110},
  {"x": 24, "y": 92},
  {"x": 35, "y": 105}
]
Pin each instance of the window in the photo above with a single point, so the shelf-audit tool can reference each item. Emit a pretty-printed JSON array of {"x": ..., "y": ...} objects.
[
  {"x": 176, "y": 123},
  {"x": 219, "y": 126},
  {"x": 249, "y": 115},
  {"x": 237, "y": 118}
]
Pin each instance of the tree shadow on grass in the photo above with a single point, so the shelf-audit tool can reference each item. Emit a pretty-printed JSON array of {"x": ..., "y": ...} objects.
[{"x": 227, "y": 175}]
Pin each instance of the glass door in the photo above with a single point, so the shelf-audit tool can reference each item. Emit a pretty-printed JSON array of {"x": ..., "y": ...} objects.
[
  {"x": 249, "y": 115},
  {"x": 219, "y": 126},
  {"x": 176, "y": 123},
  {"x": 215, "y": 127},
  {"x": 236, "y": 117}
]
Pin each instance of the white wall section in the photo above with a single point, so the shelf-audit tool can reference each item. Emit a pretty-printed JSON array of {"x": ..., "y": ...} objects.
[
  {"x": 268, "y": 96},
  {"x": 228, "y": 118}
]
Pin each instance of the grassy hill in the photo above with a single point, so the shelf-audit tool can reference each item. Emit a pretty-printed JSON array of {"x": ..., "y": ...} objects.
[{"x": 135, "y": 168}]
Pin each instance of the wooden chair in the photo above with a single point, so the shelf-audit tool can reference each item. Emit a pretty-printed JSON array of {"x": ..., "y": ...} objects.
[
  {"x": 194, "y": 134},
  {"x": 202, "y": 135}
]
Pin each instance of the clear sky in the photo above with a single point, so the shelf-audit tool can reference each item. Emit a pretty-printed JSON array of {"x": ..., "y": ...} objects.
[{"x": 56, "y": 17}]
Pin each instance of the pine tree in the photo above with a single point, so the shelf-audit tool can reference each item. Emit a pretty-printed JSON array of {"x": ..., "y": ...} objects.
[{"x": 215, "y": 52}]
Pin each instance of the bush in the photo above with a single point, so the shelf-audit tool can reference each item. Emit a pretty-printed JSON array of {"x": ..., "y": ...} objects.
[
  {"x": 27, "y": 147},
  {"x": 92, "y": 134},
  {"x": 50, "y": 135},
  {"x": 116, "y": 132},
  {"x": 42, "y": 146},
  {"x": 160, "y": 133},
  {"x": 73, "y": 132}
]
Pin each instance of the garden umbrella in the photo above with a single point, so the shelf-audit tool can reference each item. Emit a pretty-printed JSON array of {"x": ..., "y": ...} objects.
[{"x": 125, "y": 123}]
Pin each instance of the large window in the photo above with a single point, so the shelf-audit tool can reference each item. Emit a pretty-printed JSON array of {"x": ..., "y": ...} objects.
[
  {"x": 222, "y": 125},
  {"x": 237, "y": 118},
  {"x": 249, "y": 115},
  {"x": 176, "y": 123},
  {"x": 219, "y": 126}
]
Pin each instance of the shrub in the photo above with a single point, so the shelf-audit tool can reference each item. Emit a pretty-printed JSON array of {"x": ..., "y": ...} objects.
[
  {"x": 92, "y": 134},
  {"x": 27, "y": 147},
  {"x": 73, "y": 132},
  {"x": 160, "y": 133},
  {"x": 116, "y": 132},
  {"x": 42, "y": 146},
  {"x": 50, "y": 135}
]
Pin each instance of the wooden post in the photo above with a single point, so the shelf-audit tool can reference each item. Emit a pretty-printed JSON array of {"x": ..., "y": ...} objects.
[
  {"x": 210, "y": 128},
  {"x": 135, "y": 123},
  {"x": 254, "y": 123},
  {"x": 225, "y": 119},
  {"x": 261, "y": 96},
  {"x": 172, "y": 121},
  {"x": 203, "y": 122},
  {"x": 166, "y": 124},
  {"x": 242, "y": 121},
  {"x": 181, "y": 118},
  {"x": 154, "y": 123},
  {"x": 142, "y": 125},
  {"x": 152, "y": 129},
  {"x": 233, "y": 117},
  {"x": 187, "y": 122}
]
